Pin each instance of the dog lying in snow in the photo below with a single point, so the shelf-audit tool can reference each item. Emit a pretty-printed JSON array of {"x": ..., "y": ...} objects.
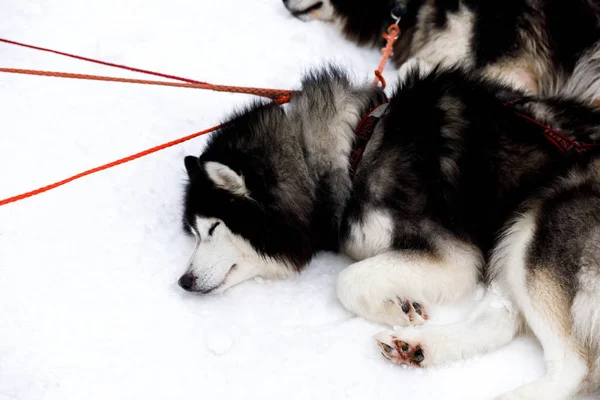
[
  {"x": 547, "y": 47},
  {"x": 453, "y": 169}
]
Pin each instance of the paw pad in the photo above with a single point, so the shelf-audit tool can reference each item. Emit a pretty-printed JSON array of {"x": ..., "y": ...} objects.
[{"x": 399, "y": 351}]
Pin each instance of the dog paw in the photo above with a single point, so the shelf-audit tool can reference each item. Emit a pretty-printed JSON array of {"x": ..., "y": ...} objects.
[
  {"x": 414, "y": 311},
  {"x": 399, "y": 351}
]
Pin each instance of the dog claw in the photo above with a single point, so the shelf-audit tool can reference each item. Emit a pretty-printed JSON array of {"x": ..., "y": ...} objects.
[
  {"x": 405, "y": 307},
  {"x": 418, "y": 308},
  {"x": 386, "y": 347},
  {"x": 414, "y": 311}
]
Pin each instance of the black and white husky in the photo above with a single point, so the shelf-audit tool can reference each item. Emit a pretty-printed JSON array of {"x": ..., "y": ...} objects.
[
  {"x": 547, "y": 47},
  {"x": 453, "y": 180}
]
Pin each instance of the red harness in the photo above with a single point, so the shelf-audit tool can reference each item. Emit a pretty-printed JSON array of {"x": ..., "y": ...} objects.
[
  {"x": 363, "y": 132},
  {"x": 366, "y": 127},
  {"x": 558, "y": 139}
]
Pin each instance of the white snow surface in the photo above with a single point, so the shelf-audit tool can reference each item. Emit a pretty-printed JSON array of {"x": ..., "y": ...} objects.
[{"x": 90, "y": 304}]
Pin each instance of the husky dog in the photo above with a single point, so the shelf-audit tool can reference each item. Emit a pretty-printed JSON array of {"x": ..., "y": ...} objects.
[
  {"x": 546, "y": 47},
  {"x": 459, "y": 173}
]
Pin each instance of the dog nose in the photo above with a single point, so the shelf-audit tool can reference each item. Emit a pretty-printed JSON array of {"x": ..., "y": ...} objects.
[{"x": 187, "y": 281}]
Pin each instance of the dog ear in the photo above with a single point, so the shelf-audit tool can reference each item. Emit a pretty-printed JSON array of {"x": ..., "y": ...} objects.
[
  {"x": 192, "y": 165},
  {"x": 225, "y": 178}
]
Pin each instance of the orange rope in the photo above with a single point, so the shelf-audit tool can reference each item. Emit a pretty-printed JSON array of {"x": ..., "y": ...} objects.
[
  {"x": 279, "y": 96},
  {"x": 107, "y": 166},
  {"x": 392, "y": 34},
  {"x": 275, "y": 94}
]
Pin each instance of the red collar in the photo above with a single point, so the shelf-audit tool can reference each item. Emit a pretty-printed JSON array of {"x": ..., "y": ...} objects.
[
  {"x": 364, "y": 131},
  {"x": 558, "y": 139}
]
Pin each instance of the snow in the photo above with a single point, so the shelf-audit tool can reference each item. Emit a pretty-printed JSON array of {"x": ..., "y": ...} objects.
[
  {"x": 219, "y": 343},
  {"x": 90, "y": 304}
]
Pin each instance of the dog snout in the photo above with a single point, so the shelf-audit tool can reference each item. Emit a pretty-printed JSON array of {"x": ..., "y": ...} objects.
[{"x": 187, "y": 281}]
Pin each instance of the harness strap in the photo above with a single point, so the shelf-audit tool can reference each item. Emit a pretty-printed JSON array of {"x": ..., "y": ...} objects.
[
  {"x": 562, "y": 142},
  {"x": 364, "y": 131}
]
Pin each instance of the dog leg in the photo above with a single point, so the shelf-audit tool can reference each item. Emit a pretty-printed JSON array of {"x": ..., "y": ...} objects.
[
  {"x": 492, "y": 324},
  {"x": 525, "y": 266},
  {"x": 566, "y": 366},
  {"x": 395, "y": 288}
]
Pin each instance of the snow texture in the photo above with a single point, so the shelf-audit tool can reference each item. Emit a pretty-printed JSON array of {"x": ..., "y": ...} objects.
[{"x": 90, "y": 305}]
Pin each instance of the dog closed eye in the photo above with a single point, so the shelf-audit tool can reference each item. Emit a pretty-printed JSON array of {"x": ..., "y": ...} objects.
[
  {"x": 308, "y": 10},
  {"x": 212, "y": 228}
]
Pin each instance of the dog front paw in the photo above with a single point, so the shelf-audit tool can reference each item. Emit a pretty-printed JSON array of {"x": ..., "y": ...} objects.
[{"x": 399, "y": 351}]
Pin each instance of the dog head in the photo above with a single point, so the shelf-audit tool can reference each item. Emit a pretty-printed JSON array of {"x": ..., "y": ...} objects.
[
  {"x": 362, "y": 21},
  {"x": 251, "y": 198},
  {"x": 236, "y": 205}
]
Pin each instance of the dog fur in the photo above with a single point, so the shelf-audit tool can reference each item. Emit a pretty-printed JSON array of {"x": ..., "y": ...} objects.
[
  {"x": 547, "y": 47},
  {"x": 453, "y": 180}
]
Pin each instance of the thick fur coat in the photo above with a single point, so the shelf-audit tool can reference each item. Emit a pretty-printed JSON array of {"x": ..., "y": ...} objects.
[
  {"x": 546, "y": 47},
  {"x": 462, "y": 179}
]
